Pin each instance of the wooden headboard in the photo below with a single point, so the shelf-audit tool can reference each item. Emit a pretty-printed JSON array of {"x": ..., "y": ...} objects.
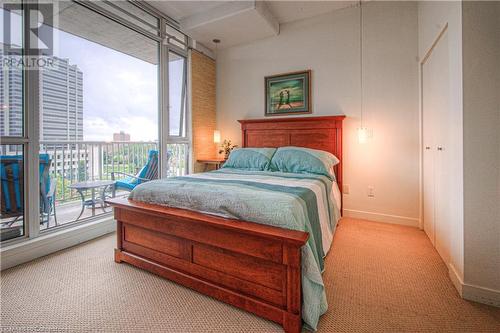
[{"x": 323, "y": 133}]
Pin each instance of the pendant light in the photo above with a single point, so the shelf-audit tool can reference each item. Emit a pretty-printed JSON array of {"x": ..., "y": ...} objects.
[
  {"x": 362, "y": 131},
  {"x": 217, "y": 135},
  {"x": 216, "y": 42}
]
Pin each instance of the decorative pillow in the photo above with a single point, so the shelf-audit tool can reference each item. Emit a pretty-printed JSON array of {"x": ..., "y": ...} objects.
[
  {"x": 257, "y": 159},
  {"x": 304, "y": 160}
]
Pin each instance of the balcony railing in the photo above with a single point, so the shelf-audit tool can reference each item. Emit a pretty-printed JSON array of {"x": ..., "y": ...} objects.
[{"x": 77, "y": 161}]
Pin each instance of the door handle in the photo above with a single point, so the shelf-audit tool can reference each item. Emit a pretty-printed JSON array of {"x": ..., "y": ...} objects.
[
  {"x": 427, "y": 148},
  {"x": 440, "y": 148}
]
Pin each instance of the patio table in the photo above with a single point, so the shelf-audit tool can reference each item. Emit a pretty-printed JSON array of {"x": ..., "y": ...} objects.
[{"x": 92, "y": 185}]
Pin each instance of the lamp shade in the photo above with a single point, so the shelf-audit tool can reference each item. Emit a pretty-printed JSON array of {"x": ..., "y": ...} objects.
[{"x": 216, "y": 136}]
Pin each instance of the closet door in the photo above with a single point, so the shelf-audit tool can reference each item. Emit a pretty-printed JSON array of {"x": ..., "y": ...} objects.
[
  {"x": 442, "y": 169},
  {"x": 436, "y": 167},
  {"x": 429, "y": 129}
]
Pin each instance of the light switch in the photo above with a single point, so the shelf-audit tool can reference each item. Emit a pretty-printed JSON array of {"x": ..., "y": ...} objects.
[{"x": 345, "y": 189}]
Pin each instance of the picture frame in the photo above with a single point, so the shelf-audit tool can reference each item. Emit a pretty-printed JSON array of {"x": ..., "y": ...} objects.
[{"x": 288, "y": 93}]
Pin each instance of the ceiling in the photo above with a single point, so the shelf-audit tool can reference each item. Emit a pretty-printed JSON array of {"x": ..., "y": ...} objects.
[
  {"x": 87, "y": 24},
  {"x": 288, "y": 11},
  {"x": 241, "y": 22},
  {"x": 182, "y": 9}
]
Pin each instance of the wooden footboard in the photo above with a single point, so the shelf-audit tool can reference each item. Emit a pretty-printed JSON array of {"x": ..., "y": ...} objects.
[{"x": 254, "y": 267}]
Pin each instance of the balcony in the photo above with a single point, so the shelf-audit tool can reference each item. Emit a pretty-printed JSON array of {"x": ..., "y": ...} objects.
[{"x": 74, "y": 162}]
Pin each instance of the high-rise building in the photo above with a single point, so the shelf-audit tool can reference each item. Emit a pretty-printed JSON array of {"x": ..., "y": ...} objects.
[
  {"x": 11, "y": 100},
  {"x": 61, "y": 97},
  {"x": 61, "y": 101}
]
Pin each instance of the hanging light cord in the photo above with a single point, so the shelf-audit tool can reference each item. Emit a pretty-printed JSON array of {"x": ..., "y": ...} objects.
[
  {"x": 361, "y": 55},
  {"x": 216, "y": 42}
]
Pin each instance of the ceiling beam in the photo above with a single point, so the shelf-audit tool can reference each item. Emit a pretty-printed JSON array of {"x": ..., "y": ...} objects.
[
  {"x": 227, "y": 10},
  {"x": 268, "y": 16}
]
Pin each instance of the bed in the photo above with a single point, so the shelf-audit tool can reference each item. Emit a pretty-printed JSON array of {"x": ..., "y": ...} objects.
[{"x": 256, "y": 267}]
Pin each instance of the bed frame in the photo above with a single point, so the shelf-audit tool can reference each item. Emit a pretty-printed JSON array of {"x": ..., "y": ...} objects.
[{"x": 252, "y": 266}]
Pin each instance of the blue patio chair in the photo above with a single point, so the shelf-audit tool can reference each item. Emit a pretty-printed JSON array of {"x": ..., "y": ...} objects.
[
  {"x": 47, "y": 191},
  {"x": 147, "y": 173},
  {"x": 11, "y": 171},
  {"x": 12, "y": 205}
]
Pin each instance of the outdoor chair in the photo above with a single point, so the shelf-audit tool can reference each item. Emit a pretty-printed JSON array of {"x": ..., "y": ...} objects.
[
  {"x": 47, "y": 191},
  {"x": 147, "y": 173},
  {"x": 12, "y": 201}
]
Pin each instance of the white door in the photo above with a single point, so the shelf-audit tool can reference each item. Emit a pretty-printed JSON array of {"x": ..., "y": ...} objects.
[
  {"x": 429, "y": 146},
  {"x": 435, "y": 103}
]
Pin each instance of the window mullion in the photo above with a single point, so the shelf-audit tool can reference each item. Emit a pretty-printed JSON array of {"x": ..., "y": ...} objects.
[
  {"x": 164, "y": 105},
  {"x": 189, "y": 128},
  {"x": 183, "y": 102},
  {"x": 31, "y": 149}
]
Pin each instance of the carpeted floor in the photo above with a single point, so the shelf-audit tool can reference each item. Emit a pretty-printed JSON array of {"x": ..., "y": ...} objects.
[{"x": 379, "y": 278}]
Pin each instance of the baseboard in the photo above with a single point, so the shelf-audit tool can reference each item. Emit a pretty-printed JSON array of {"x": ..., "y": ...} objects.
[
  {"x": 455, "y": 279},
  {"x": 481, "y": 295},
  {"x": 378, "y": 217},
  {"x": 472, "y": 292},
  {"x": 20, "y": 253}
]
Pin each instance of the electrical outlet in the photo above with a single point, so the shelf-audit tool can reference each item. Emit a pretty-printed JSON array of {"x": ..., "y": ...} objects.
[
  {"x": 345, "y": 189},
  {"x": 371, "y": 191}
]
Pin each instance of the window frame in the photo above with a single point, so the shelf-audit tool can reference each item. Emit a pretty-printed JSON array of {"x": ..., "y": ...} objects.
[
  {"x": 166, "y": 138},
  {"x": 28, "y": 140},
  {"x": 183, "y": 132}
]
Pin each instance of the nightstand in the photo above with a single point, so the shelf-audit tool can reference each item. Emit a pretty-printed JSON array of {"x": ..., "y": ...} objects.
[{"x": 216, "y": 162}]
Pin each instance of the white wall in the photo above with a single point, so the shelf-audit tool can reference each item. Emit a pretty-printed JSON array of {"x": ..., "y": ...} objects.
[
  {"x": 329, "y": 46},
  {"x": 432, "y": 18},
  {"x": 481, "y": 54}
]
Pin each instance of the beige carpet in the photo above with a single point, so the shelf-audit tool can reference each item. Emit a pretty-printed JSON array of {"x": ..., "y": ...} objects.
[{"x": 379, "y": 278}]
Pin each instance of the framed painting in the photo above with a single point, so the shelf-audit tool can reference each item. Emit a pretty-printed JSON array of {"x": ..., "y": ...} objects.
[{"x": 288, "y": 93}]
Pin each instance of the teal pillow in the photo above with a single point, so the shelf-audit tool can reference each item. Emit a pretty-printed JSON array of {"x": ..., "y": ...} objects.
[
  {"x": 256, "y": 159},
  {"x": 304, "y": 160}
]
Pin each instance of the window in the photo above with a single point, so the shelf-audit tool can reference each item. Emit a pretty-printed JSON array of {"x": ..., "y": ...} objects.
[
  {"x": 12, "y": 134},
  {"x": 177, "y": 94},
  {"x": 177, "y": 159},
  {"x": 176, "y": 38},
  {"x": 11, "y": 79},
  {"x": 178, "y": 141},
  {"x": 12, "y": 191},
  {"x": 104, "y": 120},
  {"x": 97, "y": 110},
  {"x": 129, "y": 11}
]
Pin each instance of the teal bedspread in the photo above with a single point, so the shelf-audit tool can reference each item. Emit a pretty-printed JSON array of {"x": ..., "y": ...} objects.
[{"x": 293, "y": 201}]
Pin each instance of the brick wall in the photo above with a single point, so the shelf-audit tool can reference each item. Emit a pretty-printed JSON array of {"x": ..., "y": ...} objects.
[{"x": 202, "y": 108}]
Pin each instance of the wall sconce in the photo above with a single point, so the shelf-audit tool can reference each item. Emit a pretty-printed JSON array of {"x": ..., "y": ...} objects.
[{"x": 216, "y": 136}]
